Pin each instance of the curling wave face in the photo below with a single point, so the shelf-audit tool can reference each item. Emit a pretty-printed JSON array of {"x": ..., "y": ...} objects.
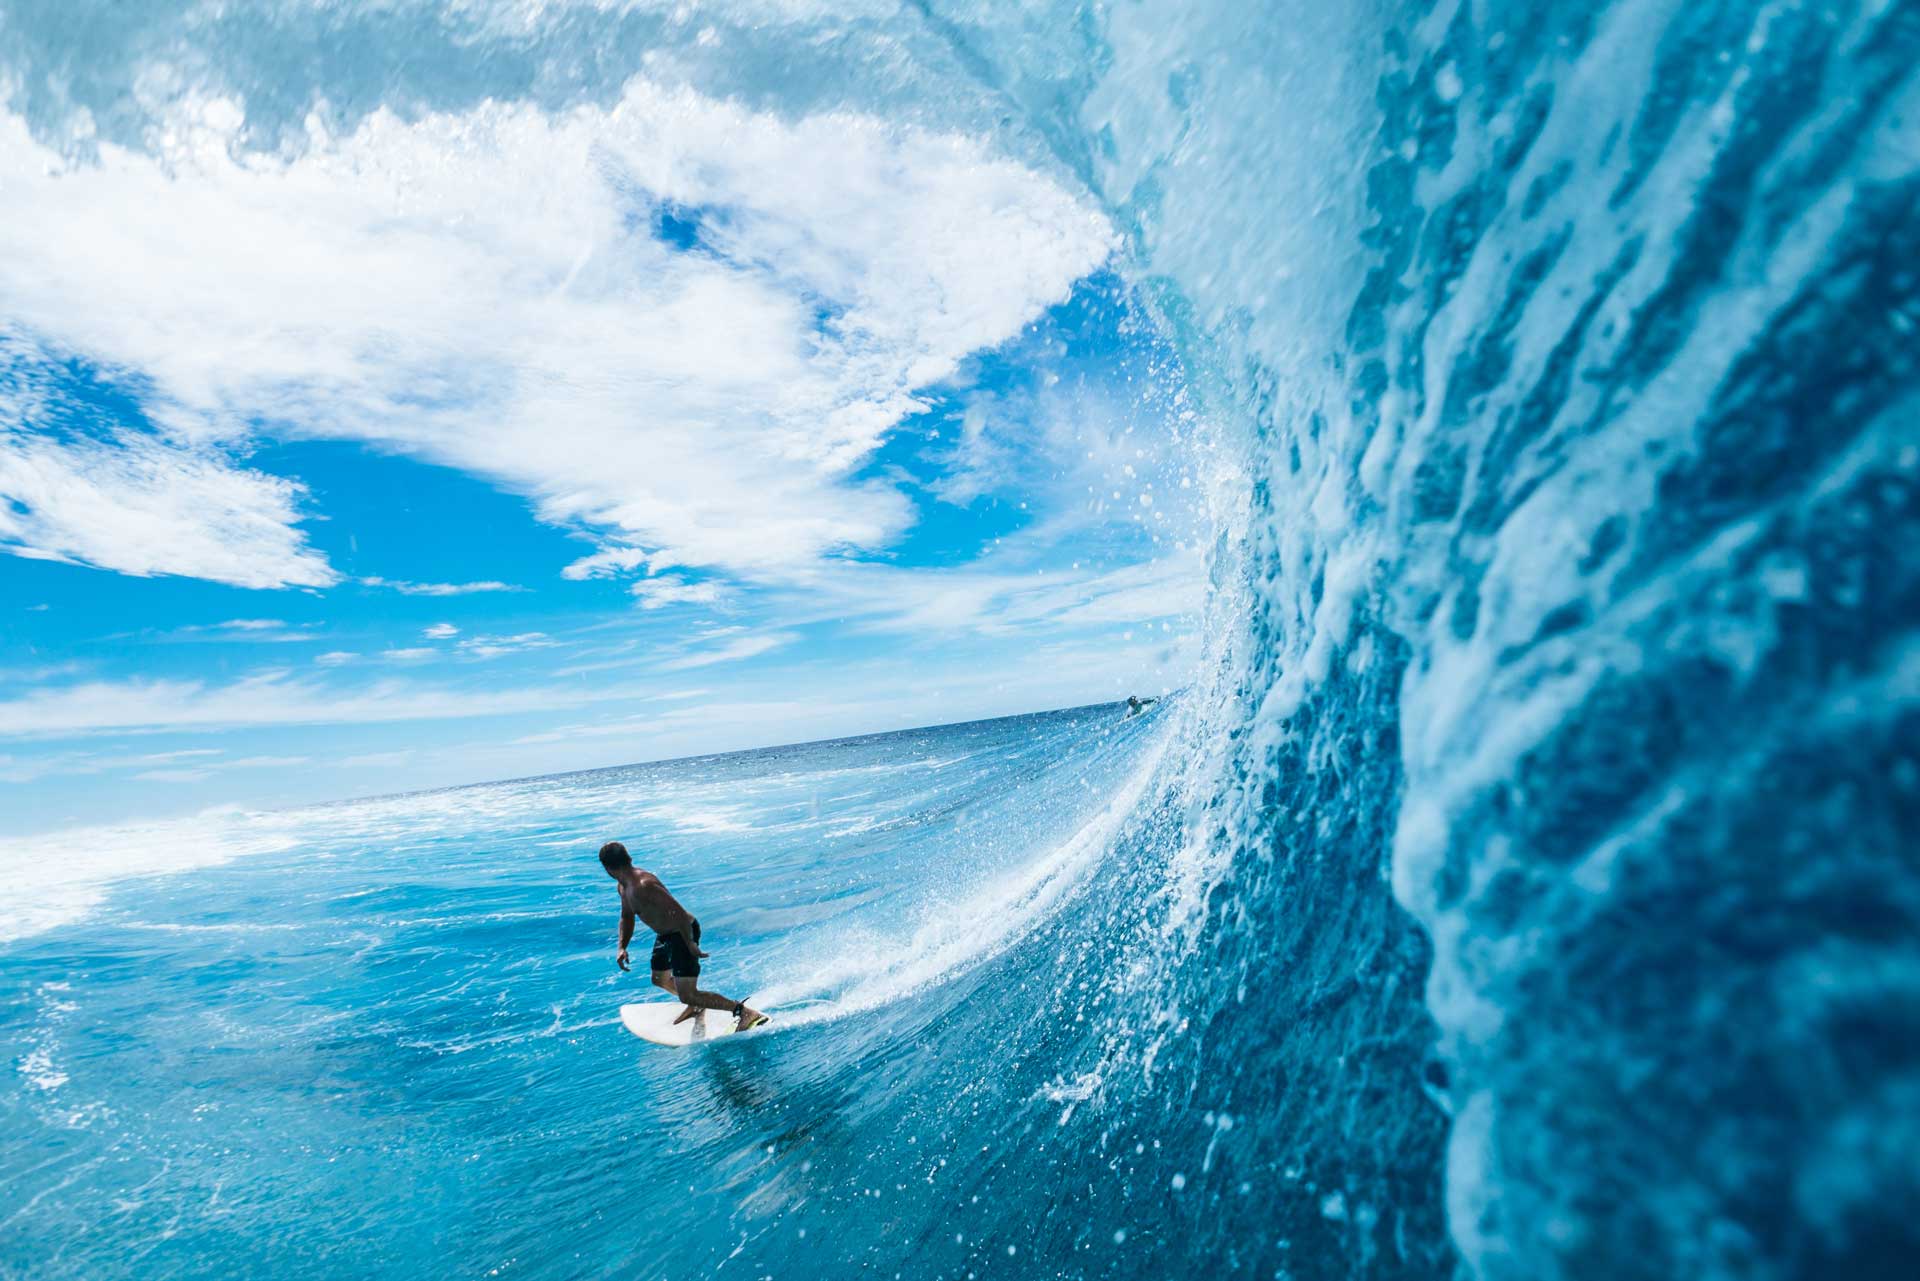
[{"x": 1572, "y": 350}]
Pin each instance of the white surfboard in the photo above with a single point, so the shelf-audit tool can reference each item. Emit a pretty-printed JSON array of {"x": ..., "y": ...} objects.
[{"x": 654, "y": 1021}]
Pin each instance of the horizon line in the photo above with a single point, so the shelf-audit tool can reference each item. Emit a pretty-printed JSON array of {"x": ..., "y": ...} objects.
[{"x": 681, "y": 760}]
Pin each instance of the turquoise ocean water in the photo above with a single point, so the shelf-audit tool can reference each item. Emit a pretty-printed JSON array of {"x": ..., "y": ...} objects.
[{"x": 387, "y": 1041}]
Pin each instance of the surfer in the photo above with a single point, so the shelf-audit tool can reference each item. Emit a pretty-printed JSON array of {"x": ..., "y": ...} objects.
[
  {"x": 1137, "y": 704},
  {"x": 676, "y": 938}
]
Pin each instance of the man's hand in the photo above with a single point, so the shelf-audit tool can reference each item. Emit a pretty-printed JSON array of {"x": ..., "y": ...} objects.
[{"x": 626, "y": 936}]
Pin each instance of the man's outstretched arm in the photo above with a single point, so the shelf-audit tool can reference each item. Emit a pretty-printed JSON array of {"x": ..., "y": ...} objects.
[{"x": 626, "y": 937}]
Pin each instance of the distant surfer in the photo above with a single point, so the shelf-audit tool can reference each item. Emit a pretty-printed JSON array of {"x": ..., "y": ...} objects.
[
  {"x": 676, "y": 938},
  {"x": 1137, "y": 704}
]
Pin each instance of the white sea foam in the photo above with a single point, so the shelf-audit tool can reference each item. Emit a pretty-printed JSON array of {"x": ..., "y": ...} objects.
[
  {"x": 690, "y": 818},
  {"x": 51, "y": 880},
  {"x": 953, "y": 936},
  {"x": 54, "y": 880},
  {"x": 38, "y": 1067}
]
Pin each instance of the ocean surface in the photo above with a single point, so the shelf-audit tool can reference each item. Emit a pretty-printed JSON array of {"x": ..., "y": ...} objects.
[
  {"x": 386, "y": 1042},
  {"x": 1526, "y": 886}
]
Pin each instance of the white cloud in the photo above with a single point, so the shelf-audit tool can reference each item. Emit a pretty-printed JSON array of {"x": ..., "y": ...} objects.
[
  {"x": 479, "y": 291},
  {"x": 270, "y": 698},
  {"x": 607, "y": 563},
  {"x": 1173, "y": 586},
  {"x": 144, "y": 507},
  {"x": 733, "y": 651},
  {"x": 619, "y": 727},
  {"x": 672, "y": 589},
  {"x": 440, "y": 631},
  {"x": 978, "y": 461},
  {"x": 251, "y": 631},
  {"x": 494, "y": 646},
  {"x": 990, "y": 600},
  {"x": 27, "y": 770},
  {"x": 39, "y": 672},
  {"x": 412, "y": 654},
  {"x": 440, "y": 589},
  {"x": 336, "y": 657},
  {"x": 890, "y": 695},
  {"x": 212, "y": 769}
]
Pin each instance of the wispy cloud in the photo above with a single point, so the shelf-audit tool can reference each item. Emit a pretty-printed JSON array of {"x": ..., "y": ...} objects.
[
  {"x": 31, "y": 769},
  {"x": 440, "y": 631},
  {"x": 619, "y": 727},
  {"x": 35, "y": 673},
  {"x": 250, "y": 631},
  {"x": 672, "y": 589},
  {"x": 988, "y": 600},
  {"x": 977, "y": 462},
  {"x": 272, "y": 698},
  {"x": 439, "y": 589},
  {"x": 733, "y": 651},
  {"x": 214, "y": 768},
  {"x": 494, "y": 646}
]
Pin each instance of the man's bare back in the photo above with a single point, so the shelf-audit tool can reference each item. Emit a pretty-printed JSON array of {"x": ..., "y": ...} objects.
[
  {"x": 676, "y": 943},
  {"x": 646, "y": 897}
]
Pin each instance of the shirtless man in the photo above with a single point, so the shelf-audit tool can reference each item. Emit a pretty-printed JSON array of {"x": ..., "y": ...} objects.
[{"x": 676, "y": 938}]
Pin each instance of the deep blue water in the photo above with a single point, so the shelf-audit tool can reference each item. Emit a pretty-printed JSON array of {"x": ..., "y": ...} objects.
[{"x": 1526, "y": 886}]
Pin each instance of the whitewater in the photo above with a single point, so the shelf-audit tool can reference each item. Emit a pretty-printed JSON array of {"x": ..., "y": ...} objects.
[{"x": 1524, "y": 886}]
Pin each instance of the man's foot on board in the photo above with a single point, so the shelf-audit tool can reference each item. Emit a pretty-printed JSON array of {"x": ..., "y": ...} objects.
[
  {"x": 749, "y": 1019},
  {"x": 687, "y": 1013}
]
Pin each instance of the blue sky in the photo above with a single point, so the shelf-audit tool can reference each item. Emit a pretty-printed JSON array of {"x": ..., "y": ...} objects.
[{"x": 509, "y": 441}]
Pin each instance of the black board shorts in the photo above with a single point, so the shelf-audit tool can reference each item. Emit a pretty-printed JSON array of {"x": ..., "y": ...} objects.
[{"x": 670, "y": 952}]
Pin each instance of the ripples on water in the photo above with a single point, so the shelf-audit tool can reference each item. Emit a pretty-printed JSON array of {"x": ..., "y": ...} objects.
[{"x": 391, "y": 1043}]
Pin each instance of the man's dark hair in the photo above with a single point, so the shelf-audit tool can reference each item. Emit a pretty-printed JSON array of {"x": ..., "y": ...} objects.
[{"x": 613, "y": 856}]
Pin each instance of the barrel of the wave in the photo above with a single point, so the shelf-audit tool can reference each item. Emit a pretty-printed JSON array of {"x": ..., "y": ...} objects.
[{"x": 1609, "y": 467}]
